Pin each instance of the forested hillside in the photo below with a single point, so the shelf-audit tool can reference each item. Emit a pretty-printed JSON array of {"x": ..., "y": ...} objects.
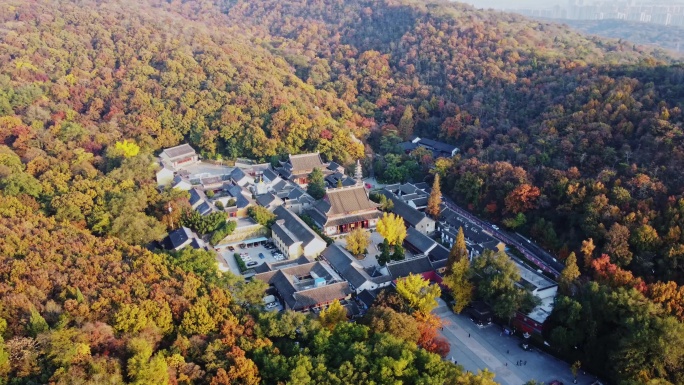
[
  {"x": 88, "y": 92},
  {"x": 77, "y": 309},
  {"x": 561, "y": 136},
  {"x": 576, "y": 141}
]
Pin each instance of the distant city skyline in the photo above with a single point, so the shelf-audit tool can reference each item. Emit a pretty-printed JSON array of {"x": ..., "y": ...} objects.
[{"x": 663, "y": 12}]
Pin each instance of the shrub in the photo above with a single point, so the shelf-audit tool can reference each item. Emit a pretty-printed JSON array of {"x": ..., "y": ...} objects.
[
  {"x": 240, "y": 262},
  {"x": 223, "y": 231}
]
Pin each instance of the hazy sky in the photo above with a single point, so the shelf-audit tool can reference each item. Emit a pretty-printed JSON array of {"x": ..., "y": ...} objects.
[
  {"x": 507, "y": 4},
  {"x": 514, "y": 3}
]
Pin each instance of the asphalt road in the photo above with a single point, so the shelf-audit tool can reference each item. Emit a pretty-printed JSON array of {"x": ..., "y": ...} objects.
[{"x": 543, "y": 261}]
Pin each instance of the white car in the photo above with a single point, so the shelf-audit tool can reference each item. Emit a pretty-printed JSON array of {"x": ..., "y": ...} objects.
[{"x": 271, "y": 305}]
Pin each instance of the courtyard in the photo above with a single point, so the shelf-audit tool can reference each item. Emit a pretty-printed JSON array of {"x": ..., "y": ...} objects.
[
  {"x": 227, "y": 260},
  {"x": 202, "y": 169},
  {"x": 371, "y": 259}
]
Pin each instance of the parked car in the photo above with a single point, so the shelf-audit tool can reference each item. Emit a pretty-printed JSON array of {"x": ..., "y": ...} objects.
[
  {"x": 250, "y": 264},
  {"x": 271, "y": 305},
  {"x": 261, "y": 256},
  {"x": 231, "y": 248}
]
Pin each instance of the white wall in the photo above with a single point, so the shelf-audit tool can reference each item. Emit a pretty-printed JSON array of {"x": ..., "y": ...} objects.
[
  {"x": 314, "y": 248},
  {"x": 164, "y": 177}
]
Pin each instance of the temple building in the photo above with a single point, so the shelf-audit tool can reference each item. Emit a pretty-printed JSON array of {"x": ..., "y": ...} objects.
[
  {"x": 304, "y": 287},
  {"x": 179, "y": 156},
  {"x": 298, "y": 167},
  {"x": 343, "y": 210}
]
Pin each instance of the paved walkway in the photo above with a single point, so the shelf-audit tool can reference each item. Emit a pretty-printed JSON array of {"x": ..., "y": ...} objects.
[{"x": 477, "y": 348}]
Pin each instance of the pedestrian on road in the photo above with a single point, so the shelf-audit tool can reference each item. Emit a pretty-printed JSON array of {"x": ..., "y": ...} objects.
[
  {"x": 468, "y": 335},
  {"x": 525, "y": 363},
  {"x": 508, "y": 352}
]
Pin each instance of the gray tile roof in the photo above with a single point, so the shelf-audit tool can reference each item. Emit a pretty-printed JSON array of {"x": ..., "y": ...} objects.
[
  {"x": 439, "y": 146},
  {"x": 317, "y": 217},
  {"x": 348, "y": 200},
  {"x": 408, "y": 213},
  {"x": 197, "y": 243},
  {"x": 262, "y": 268},
  {"x": 297, "y": 297},
  {"x": 409, "y": 266},
  {"x": 265, "y": 199},
  {"x": 346, "y": 182},
  {"x": 296, "y": 228},
  {"x": 341, "y": 261},
  {"x": 439, "y": 256},
  {"x": 295, "y": 193},
  {"x": 407, "y": 188},
  {"x": 332, "y": 179},
  {"x": 420, "y": 202},
  {"x": 367, "y": 297},
  {"x": 332, "y": 166},
  {"x": 438, "y": 264},
  {"x": 237, "y": 174},
  {"x": 182, "y": 151},
  {"x": 322, "y": 206},
  {"x": 204, "y": 208},
  {"x": 270, "y": 174},
  {"x": 305, "y": 163},
  {"x": 280, "y": 231},
  {"x": 455, "y": 221},
  {"x": 195, "y": 197},
  {"x": 179, "y": 236},
  {"x": 240, "y": 200},
  {"x": 439, "y": 253},
  {"x": 321, "y": 295},
  {"x": 284, "y": 172},
  {"x": 280, "y": 186},
  {"x": 418, "y": 240}
]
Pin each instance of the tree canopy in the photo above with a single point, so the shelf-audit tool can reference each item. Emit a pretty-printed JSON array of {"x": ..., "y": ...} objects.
[{"x": 392, "y": 228}]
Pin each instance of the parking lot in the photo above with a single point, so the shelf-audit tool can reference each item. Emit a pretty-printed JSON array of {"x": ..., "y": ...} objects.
[
  {"x": 476, "y": 348},
  {"x": 252, "y": 256}
]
